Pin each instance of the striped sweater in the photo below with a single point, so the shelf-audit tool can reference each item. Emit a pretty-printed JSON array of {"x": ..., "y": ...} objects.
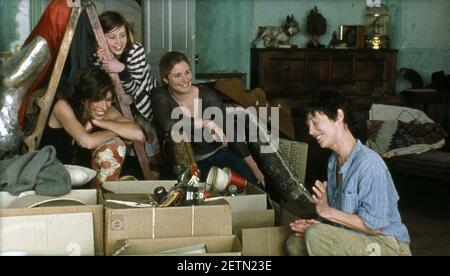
[{"x": 136, "y": 79}]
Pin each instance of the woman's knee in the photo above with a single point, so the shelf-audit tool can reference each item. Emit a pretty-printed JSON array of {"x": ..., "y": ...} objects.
[
  {"x": 108, "y": 159},
  {"x": 295, "y": 246},
  {"x": 316, "y": 232},
  {"x": 320, "y": 241}
]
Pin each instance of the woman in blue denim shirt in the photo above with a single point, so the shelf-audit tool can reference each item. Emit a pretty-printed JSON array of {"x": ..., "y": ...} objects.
[{"x": 357, "y": 207}]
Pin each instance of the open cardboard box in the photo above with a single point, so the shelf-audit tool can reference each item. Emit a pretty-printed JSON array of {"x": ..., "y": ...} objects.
[
  {"x": 124, "y": 222},
  {"x": 249, "y": 210},
  {"x": 215, "y": 246},
  {"x": 48, "y": 235},
  {"x": 253, "y": 199},
  {"x": 30, "y": 210},
  {"x": 252, "y": 219}
]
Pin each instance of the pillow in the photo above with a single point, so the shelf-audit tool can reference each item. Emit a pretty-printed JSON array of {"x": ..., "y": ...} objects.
[
  {"x": 386, "y": 137},
  {"x": 80, "y": 175}
]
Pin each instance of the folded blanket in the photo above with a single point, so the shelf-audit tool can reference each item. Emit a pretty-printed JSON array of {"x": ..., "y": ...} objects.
[
  {"x": 391, "y": 138},
  {"x": 39, "y": 170}
]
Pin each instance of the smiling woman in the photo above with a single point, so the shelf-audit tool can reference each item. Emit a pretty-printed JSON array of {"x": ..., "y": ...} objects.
[
  {"x": 180, "y": 96},
  {"x": 83, "y": 119},
  {"x": 130, "y": 63}
]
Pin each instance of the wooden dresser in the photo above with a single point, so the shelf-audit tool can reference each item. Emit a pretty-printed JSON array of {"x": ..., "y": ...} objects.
[
  {"x": 291, "y": 76},
  {"x": 367, "y": 76}
]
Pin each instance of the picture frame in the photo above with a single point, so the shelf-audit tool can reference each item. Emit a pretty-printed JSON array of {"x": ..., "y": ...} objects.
[{"x": 352, "y": 36}]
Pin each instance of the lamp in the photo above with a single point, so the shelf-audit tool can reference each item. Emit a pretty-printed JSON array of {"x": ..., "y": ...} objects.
[
  {"x": 225, "y": 180},
  {"x": 377, "y": 19}
]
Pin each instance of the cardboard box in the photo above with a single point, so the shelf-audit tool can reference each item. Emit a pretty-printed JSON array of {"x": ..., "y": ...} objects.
[
  {"x": 265, "y": 241},
  {"x": 215, "y": 246},
  {"x": 48, "y": 235},
  {"x": 78, "y": 201},
  {"x": 249, "y": 210},
  {"x": 253, "y": 199},
  {"x": 122, "y": 222},
  {"x": 252, "y": 219}
]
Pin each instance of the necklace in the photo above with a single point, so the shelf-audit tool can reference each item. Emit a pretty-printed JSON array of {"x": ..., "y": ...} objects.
[{"x": 172, "y": 94}]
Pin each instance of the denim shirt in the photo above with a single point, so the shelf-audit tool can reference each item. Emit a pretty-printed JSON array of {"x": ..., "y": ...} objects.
[{"x": 367, "y": 190}]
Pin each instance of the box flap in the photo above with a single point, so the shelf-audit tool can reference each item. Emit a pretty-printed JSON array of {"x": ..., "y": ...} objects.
[
  {"x": 210, "y": 219},
  {"x": 64, "y": 235},
  {"x": 215, "y": 245},
  {"x": 96, "y": 210},
  {"x": 137, "y": 187},
  {"x": 252, "y": 219},
  {"x": 253, "y": 199},
  {"x": 265, "y": 241},
  {"x": 30, "y": 199}
]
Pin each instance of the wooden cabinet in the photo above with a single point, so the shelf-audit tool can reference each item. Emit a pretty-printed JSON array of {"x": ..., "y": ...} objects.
[
  {"x": 291, "y": 76},
  {"x": 297, "y": 73}
]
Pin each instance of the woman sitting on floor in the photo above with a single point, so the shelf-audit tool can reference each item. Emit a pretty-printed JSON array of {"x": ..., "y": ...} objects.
[
  {"x": 87, "y": 130},
  {"x": 179, "y": 93}
]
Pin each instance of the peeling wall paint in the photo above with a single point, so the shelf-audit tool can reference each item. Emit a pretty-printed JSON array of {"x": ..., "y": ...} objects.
[{"x": 419, "y": 29}]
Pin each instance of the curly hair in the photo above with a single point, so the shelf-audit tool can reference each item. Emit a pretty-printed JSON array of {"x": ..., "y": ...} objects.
[{"x": 91, "y": 85}]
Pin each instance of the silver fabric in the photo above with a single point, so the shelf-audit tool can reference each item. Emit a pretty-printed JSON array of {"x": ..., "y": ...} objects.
[{"x": 17, "y": 75}]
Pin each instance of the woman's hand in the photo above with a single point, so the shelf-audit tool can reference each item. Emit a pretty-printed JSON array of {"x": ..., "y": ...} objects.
[
  {"x": 300, "y": 226},
  {"x": 88, "y": 126},
  {"x": 216, "y": 131},
  {"x": 320, "y": 197},
  {"x": 109, "y": 65},
  {"x": 255, "y": 169},
  {"x": 259, "y": 175}
]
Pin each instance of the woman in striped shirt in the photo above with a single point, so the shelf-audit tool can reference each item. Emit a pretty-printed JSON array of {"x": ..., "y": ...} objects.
[{"x": 130, "y": 64}]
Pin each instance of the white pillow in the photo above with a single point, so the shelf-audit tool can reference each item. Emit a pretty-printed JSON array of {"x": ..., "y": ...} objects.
[{"x": 80, "y": 175}]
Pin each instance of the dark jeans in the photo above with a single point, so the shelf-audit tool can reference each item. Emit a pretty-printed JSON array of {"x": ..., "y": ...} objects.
[{"x": 225, "y": 157}]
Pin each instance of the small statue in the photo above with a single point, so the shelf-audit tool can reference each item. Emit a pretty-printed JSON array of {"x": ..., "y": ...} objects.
[
  {"x": 316, "y": 25},
  {"x": 274, "y": 36},
  {"x": 334, "y": 42}
]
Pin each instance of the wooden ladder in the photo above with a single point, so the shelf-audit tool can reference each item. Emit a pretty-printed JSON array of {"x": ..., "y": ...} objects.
[{"x": 46, "y": 101}]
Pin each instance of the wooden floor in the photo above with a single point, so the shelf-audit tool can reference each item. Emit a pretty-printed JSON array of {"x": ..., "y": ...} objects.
[{"x": 425, "y": 209}]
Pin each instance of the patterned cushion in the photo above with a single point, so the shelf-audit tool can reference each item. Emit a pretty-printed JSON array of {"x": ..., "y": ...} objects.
[{"x": 386, "y": 136}]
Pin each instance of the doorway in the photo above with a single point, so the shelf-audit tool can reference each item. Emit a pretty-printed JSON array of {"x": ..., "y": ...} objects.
[{"x": 169, "y": 25}]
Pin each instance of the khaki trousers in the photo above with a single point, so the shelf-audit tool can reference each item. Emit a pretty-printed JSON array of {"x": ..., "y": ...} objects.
[{"x": 326, "y": 240}]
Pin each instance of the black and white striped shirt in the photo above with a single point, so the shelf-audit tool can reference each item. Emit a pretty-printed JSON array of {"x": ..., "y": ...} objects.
[{"x": 137, "y": 79}]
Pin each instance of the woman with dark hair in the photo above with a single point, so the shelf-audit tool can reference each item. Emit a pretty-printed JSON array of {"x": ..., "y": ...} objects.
[
  {"x": 178, "y": 93},
  {"x": 358, "y": 202},
  {"x": 130, "y": 63},
  {"x": 83, "y": 120}
]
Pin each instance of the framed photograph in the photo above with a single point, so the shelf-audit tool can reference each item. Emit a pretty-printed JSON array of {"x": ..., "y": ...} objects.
[{"x": 353, "y": 36}]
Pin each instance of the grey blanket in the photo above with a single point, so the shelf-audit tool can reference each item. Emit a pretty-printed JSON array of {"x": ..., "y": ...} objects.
[{"x": 39, "y": 171}]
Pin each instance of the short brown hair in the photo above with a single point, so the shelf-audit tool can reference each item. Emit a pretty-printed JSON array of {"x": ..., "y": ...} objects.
[{"x": 168, "y": 61}]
